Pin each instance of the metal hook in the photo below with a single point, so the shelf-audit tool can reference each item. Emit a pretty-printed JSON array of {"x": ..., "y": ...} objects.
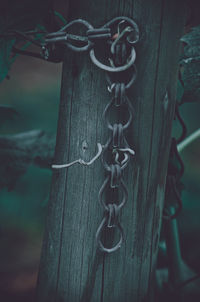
[{"x": 120, "y": 35}]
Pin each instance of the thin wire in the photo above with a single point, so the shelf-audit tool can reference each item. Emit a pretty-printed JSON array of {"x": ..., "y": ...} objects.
[
  {"x": 188, "y": 140},
  {"x": 81, "y": 161}
]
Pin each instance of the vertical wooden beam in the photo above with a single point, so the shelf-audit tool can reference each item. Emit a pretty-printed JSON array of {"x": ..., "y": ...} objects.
[{"x": 72, "y": 269}]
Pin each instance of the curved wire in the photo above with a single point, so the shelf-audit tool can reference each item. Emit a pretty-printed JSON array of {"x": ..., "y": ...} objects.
[
  {"x": 99, "y": 233},
  {"x": 110, "y": 68}
]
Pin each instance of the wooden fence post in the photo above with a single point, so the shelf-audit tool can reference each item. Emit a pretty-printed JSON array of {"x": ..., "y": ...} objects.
[{"x": 72, "y": 269}]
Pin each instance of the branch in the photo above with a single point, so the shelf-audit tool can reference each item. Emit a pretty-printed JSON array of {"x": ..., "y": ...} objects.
[
  {"x": 188, "y": 140},
  {"x": 18, "y": 152}
]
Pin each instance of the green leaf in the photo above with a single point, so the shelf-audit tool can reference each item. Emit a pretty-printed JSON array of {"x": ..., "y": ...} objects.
[
  {"x": 193, "y": 37},
  {"x": 5, "y": 50},
  {"x": 18, "y": 15},
  {"x": 191, "y": 66}
]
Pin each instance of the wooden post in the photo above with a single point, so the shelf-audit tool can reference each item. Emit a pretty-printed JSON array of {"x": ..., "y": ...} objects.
[{"x": 72, "y": 269}]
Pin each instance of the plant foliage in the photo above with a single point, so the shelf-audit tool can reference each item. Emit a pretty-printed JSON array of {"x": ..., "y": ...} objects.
[
  {"x": 191, "y": 66},
  {"x": 19, "y": 15}
]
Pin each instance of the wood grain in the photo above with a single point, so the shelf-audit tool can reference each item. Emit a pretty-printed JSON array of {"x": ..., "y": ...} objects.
[{"x": 72, "y": 269}]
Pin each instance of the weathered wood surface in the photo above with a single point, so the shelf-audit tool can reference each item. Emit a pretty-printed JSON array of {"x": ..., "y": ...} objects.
[{"x": 72, "y": 269}]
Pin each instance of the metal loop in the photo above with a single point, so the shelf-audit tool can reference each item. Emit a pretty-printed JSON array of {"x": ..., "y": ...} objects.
[
  {"x": 131, "y": 23},
  {"x": 115, "y": 176},
  {"x": 56, "y": 37},
  {"x": 118, "y": 136},
  {"x": 128, "y": 85},
  {"x": 113, "y": 69},
  {"x": 130, "y": 110},
  {"x": 124, "y": 194},
  {"x": 123, "y": 163},
  {"x": 69, "y": 45},
  {"x": 126, "y": 151},
  {"x": 101, "y": 246},
  {"x": 119, "y": 93},
  {"x": 113, "y": 213},
  {"x": 98, "y": 34},
  {"x": 119, "y": 40},
  {"x": 101, "y": 191},
  {"x": 119, "y": 52},
  {"x": 106, "y": 148}
]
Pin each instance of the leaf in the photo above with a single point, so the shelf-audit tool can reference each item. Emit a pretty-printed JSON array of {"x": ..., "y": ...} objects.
[
  {"x": 18, "y": 152},
  {"x": 18, "y": 15},
  {"x": 191, "y": 66},
  {"x": 5, "y": 50},
  {"x": 193, "y": 37}
]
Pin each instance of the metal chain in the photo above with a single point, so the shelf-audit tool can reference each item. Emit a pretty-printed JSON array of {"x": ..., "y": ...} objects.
[
  {"x": 116, "y": 156},
  {"x": 119, "y": 36}
]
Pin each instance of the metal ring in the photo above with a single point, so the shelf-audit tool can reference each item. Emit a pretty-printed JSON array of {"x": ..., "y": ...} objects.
[
  {"x": 113, "y": 69},
  {"x": 79, "y": 21},
  {"x": 117, "y": 136},
  {"x": 113, "y": 214},
  {"x": 101, "y": 191},
  {"x": 124, "y": 196},
  {"x": 125, "y": 126},
  {"x": 75, "y": 48},
  {"x": 98, "y": 237},
  {"x": 106, "y": 146},
  {"x": 128, "y": 85},
  {"x": 116, "y": 174}
]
